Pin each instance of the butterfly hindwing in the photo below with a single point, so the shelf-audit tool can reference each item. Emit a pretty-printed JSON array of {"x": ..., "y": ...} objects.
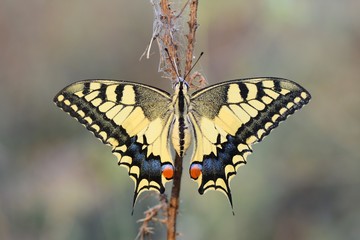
[
  {"x": 227, "y": 118},
  {"x": 132, "y": 118}
]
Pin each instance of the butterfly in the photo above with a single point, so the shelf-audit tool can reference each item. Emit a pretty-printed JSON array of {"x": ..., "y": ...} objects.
[{"x": 145, "y": 125}]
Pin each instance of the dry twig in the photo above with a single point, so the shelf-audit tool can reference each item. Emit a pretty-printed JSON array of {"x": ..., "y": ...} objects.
[
  {"x": 151, "y": 216},
  {"x": 166, "y": 33},
  {"x": 193, "y": 25}
]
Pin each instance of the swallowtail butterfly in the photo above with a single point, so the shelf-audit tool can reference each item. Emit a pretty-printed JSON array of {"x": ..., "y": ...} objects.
[{"x": 144, "y": 124}]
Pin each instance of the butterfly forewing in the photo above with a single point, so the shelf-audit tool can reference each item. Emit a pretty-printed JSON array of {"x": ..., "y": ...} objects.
[
  {"x": 134, "y": 119},
  {"x": 228, "y": 117}
]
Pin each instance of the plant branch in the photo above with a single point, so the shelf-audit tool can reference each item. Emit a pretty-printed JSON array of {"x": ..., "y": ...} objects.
[
  {"x": 193, "y": 25},
  {"x": 167, "y": 18},
  {"x": 174, "y": 199},
  {"x": 166, "y": 30},
  {"x": 175, "y": 191},
  {"x": 151, "y": 215}
]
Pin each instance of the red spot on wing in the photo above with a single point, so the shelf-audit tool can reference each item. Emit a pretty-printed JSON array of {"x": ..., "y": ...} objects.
[
  {"x": 195, "y": 170},
  {"x": 168, "y": 171}
]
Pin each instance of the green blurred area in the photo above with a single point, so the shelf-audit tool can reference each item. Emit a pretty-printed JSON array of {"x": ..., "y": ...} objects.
[{"x": 58, "y": 182}]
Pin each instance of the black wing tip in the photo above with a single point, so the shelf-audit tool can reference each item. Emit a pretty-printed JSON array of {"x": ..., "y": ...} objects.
[
  {"x": 137, "y": 191},
  {"x": 56, "y": 97},
  {"x": 201, "y": 191},
  {"x": 285, "y": 80}
]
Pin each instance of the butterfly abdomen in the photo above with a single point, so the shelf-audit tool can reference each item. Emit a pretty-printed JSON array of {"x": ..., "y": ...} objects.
[{"x": 181, "y": 135}]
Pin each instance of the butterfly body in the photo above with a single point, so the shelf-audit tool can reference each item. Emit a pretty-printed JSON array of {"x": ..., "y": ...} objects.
[
  {"x": 181, "y": 133},
  {"x": 143, "y": 124}
]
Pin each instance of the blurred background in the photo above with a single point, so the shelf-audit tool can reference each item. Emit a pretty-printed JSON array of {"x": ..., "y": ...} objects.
[{"x": 58, "y": 182}]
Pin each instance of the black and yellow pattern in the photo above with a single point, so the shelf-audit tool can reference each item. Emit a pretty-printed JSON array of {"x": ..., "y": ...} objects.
[
  {"x": 229, "y": 117},
  {"x": 223, "y": 120},
  {"x": 133, "y": 119}
]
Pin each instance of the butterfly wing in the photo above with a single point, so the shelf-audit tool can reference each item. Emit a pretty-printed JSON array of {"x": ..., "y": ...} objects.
[
  {"x": 228, "y": 117},
  {"x": 133, "y": 119}
]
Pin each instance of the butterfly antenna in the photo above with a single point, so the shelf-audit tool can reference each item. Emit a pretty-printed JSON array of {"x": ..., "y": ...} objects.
[
  {"x": 193, "y": 65},
  {"x": 172, "y": 63}
]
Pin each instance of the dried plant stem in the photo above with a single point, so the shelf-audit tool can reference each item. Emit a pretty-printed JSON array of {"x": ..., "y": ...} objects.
[
  {"x": 175, "y": 191},
  {"x": 174, "y": 200},
  {"x": 166, "y": 32},
  {"x": 193, "y": 25},
  {"x": 167, "y": 38},
  {"x": 151, "y": 216}
]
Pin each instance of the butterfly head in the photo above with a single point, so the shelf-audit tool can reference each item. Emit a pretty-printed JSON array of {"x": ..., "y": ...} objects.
[{"x": 181, "y": 85}]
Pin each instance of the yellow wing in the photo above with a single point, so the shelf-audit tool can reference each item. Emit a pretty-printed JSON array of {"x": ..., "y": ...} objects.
[
  {"x": 132, "y": 118},
  {"x": 228, "y": 117}
]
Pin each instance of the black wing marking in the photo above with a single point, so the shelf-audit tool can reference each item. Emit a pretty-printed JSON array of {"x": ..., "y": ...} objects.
[
  {"x": 228, "y": 117},
  {"x": 132, "y": 118}
]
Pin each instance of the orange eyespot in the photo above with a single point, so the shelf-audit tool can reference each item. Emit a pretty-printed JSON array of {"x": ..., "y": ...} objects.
[
  {"x": 195, "y": 171},
  {"x": 168, "y": 171}
]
